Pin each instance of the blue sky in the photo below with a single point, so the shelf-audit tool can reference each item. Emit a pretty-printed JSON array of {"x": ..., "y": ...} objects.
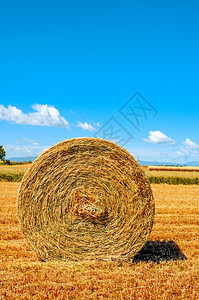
[{"x": 66, "y": 68}]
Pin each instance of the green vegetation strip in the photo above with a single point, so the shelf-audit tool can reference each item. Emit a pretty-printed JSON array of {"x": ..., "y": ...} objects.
[
  {"x": 152, "y": 179},
  {"x": 11, "y": 177},
  {"x": 173, "y": 180}
]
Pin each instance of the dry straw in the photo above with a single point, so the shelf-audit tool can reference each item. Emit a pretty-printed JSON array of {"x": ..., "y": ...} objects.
[{"x": 85, "y": 198}]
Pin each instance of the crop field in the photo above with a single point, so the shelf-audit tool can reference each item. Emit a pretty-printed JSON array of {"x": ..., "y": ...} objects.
[
  {"x": 167, "y": 173},
  {"x": 159, "y": 272},
  {"x": 12, "y": 172},
  {"x": 16, "y": 172},
  {"x": 173, "y": 168}
]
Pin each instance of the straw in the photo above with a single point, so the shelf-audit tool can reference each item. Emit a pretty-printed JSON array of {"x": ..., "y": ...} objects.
[{"x": 84, "y": 199}]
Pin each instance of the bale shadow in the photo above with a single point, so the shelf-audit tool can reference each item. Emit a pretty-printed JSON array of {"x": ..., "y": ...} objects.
[{"x": 157, "y": 251}]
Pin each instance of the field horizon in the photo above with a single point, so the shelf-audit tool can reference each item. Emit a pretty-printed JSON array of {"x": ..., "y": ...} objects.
[{"x": 166, "y": 175}]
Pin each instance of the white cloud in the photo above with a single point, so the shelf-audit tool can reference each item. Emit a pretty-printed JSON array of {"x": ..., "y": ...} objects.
[
  {"x": 44, "y": 115},
  {"x": 190, "y": 144},
  {"x": 189, "y": 150},
  {"x": 157, "y": 137},
  {"x": 178, "y": 153},
  {"x": 85, "y": 126},
  {"x": 28, "y": 140},
  {"x": 23, "y": 150},
  {"x": 33, "y": 142}
]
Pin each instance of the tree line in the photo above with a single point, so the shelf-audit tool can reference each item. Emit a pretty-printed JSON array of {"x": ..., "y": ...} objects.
[{"x": 3, "y": 155}]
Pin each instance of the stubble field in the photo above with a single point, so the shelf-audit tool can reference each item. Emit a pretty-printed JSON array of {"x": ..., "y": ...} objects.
[{"x": 22, "y": 276}]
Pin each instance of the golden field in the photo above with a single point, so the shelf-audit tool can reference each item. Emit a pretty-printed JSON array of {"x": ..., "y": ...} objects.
[
  {"x": 166, "y": 171},
  {"x": 13, "y": 169},
  {"x": 17, "y": 172},
  {"x": 191, "y": 174},
  {"x": 12, "y": 172},
  {"x": 22, "y": 276}
]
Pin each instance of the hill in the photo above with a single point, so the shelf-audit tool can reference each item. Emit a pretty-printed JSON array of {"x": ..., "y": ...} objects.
[{"x": 142, "y": 162}]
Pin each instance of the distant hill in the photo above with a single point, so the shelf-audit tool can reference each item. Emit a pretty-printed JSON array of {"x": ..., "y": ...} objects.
[
  {"x": 154, "y": 163},
  {"x": 142, "y": 162},
  {"x": 158, "y": 163},
  {"x": 22, "y": 159},
  {"x": 193, "y": 164}
]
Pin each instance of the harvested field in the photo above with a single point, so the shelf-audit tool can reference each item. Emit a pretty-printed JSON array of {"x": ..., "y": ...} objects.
[
  {"x": 186, "y": 176},
  {"x": 22, "y": 276},
  {"x": 175, "y": 169}
]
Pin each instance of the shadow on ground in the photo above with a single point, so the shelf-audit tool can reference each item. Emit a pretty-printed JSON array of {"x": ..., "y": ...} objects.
[{"x": 157, "y": 251}]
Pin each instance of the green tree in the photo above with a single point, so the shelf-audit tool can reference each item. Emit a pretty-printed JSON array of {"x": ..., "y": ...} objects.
[{"x": 2, "y": 153}]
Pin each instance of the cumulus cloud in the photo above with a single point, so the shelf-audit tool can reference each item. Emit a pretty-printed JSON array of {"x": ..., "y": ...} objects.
[
  {"x": 157, "y": 137},
  {"x": 191, "y": 145},
  {"x": 85, "y": 126},
  {"x": 44, "y": 115},
  {"x": 188, "y": 150}
]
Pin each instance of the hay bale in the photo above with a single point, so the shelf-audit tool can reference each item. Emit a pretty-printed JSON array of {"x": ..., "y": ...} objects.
[{"x": 85, "y": 198}]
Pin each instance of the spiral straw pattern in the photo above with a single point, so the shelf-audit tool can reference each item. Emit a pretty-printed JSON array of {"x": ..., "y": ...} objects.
[{"x": 85, "y": 198}]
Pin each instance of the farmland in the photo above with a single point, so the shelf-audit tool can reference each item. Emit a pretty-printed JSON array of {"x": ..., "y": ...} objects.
[
  {"x": 168, "y": 173},
  {"x": 13, "y": 172},
  {"x": 16, "y": 172},
  {"x": 22, "y": 276}
]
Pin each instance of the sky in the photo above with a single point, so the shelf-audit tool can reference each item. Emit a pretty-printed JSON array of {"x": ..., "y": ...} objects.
[{"x": 126, "y": 71}]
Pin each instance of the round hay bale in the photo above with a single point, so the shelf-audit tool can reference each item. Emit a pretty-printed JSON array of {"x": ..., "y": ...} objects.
[{"x": 85, "y": 198}]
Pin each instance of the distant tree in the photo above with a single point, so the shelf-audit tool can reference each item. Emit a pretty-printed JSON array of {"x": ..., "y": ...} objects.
[{"x": 2, "y": 153}]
